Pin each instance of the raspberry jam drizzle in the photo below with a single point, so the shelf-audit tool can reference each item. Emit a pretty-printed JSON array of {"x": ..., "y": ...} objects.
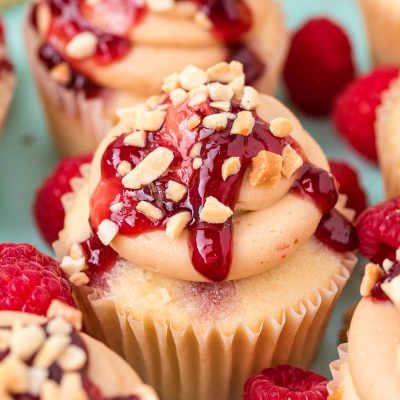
[
  {"x": 55, "y": 373},
  {"x": 210, "y": 244},
  {"x": 377, "y": 293},
  {"x": 334, "y": 230}
]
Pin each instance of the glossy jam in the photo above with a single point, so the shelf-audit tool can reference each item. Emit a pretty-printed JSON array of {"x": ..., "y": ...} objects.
[
  {"x": 377, "y": 293},
  {"x": 253, "y": 66},
  {"x": 337, "y": 232},
  {"x": 79, "y": 82},
  {"x": 55, "y": 374},
  {"x": 99, "y": 258},
  {"x": 318, "y": 185},
  {"x": 231, "y": 18},
  {"x": 210, "y": 244}
]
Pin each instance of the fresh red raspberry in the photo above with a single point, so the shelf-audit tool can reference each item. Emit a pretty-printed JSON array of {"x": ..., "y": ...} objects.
[
  {"x": 350, "y": 185},
  {"x": 47, "y": 207},
  {"x": 319, "y": 65},
  {"x": 354, "y": 111},
  {"x": 30, "y": 280},
  {"x": 378, "y": 229},
  {"x": 286, "y": 383}
]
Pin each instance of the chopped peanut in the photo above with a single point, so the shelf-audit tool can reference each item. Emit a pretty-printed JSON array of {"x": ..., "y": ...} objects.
[
  {"x": 243, "y": 124},
  {"x": 192, "y": 77},
  {"x": 150, "y": 211},
  {"x": 216, "y": 122},
  {"x": 266, "y": 168},
  {"x": 149, "y": 169},
  {"x": 214, "y": 212},
  {"x": 175, "y": 191},
  {"x": 281, "y": 127},
  {"x": 371, "y": 276},
  {"x": 292, "y": 161},
  {"x": 231, "y": 166},
  {"x": 177, "y": 223}
]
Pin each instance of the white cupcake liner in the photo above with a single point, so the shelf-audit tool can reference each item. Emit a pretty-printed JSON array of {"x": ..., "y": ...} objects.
[{"x": 188, "y": 364}]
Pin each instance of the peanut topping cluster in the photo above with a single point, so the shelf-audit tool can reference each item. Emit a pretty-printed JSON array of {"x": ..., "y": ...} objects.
[
  {"x": 222, "y": 87},
  {"x": 33, "y": 349}
]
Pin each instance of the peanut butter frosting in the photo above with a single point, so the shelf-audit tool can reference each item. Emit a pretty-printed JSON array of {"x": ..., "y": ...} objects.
[
  {"x": 80, "y": 41},
  {"x": 369, "y": 368},
  {"x": 206, "y": 182},
  {"x": 49, "y": 359}
]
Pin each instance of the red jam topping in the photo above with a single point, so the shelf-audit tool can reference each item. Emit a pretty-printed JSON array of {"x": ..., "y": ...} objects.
[
  {"x": 210, "y": 244},
  {"x": 377, "y": 293},
  {"x": 337, "y": 232},
  {"x": 231, "y": 18},
  {"x": 70, "y": 17},
  {"x": 79, "y": 82},
  {"x": 55, "y": 373},
  {"x": 99, "y": 258}
]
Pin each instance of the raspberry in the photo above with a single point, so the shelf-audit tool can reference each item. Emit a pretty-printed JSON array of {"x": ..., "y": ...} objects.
[
  {"x": 286, "y": 383},
  {"x": 30, "y": 280},
  {"x": 47, "y": 208},
  {"x": 354, "y": 111},
  {"x": 378, "y": 229},
  {"x": 319, "y": 65},
  {"x": 350, "y": 185}
]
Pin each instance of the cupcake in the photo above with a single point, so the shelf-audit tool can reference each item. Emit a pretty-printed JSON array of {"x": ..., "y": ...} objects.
[
  {"x": 7, "y": 78},
  {"x": 369, "y": 365},
  {"x": 49, "y": 358},
  {"x": 388, "y": 116},
  {"x": 382, "y": 22},
  {"x": 208, "y": 235},
  {"x": 90, "y": 57}
]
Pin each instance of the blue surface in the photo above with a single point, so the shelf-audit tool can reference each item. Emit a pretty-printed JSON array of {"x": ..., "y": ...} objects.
[{"x": 26, "y": 156}]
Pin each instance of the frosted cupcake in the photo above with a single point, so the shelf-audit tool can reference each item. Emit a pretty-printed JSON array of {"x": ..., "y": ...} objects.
[
  {"x": 7, "y": 78},
  {"x": 382, "y": 22},
  {"x": 90, "y": 57},
  {"x": 213, "y": 247},
  {"x": 369, "y": 365},
  {"x": 48, "y": 359}
]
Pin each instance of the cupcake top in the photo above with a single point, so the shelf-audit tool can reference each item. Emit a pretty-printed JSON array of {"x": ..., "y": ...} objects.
[
  {"x": 207, "y": 182},
  {"x": 110, "y": 43},
  {"x": 374, "y": 335},
  {"x": 50, "y": 359}
]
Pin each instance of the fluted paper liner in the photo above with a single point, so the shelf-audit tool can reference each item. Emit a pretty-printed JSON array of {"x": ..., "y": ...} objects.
[
  {"x": 77, "y": 124},
  {"x": 186, "y": 364},
  {"x": 336, "y": 367},
  {"x": 387, "y": 139},
  {"x": 382, "y": 22}
]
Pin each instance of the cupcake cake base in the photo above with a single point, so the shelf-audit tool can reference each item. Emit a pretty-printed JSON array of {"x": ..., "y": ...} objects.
[{"x": 201, "y": 341}]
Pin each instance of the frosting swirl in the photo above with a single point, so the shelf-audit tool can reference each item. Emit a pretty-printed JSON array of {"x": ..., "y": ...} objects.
[{"x": 213, "y": 176}]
